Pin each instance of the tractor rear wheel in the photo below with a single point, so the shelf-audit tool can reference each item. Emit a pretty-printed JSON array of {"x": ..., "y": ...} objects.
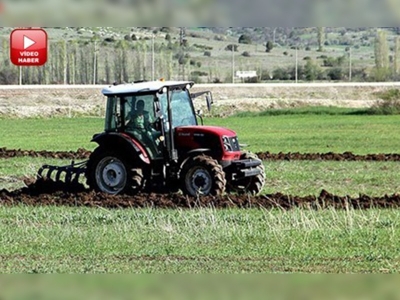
[
  {"x": 202, "y": 176},
  {"x": 249, "y": 185},
  {"x": 109, "y": 172}
]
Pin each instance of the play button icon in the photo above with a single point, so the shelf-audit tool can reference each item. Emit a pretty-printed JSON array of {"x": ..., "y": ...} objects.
[
  {"x": 28, "y": 47},
  {"x": 28, "y": 42}
]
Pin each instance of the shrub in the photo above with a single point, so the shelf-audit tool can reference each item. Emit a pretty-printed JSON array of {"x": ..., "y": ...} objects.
[
  {"x": 207, "y": 53},
  {"x": 246, "y": 54},
  {"x": 198, "y": 73},
  {"x": 244, "y": 39},
  {"x": 280, "y": 74},
  {"x": 269, "y": 46},
  {"x": 8, "y": 76},
  {"x": 109, "y": 39},
  {"x": 265, "y": 75},
  {"x": 202, "y": 47},
  {"x": 252, "y": 80},
  {"x": 390, "y": 104},
  {"x": 231, "y": 47},
  {"x": 219, "y": 38},
  {"x": 335, "y": 73}
]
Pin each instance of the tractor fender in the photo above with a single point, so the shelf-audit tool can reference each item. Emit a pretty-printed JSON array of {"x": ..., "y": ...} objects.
[
  {"x": 192, "y": 153},
  {"x": 121, "y": 142}
]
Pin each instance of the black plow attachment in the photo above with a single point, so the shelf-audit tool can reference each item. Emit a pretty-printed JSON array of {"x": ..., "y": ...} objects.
[{"x": 69, "y": 175}]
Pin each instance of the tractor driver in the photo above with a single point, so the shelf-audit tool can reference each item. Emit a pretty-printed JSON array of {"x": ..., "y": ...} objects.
[
  {"x": 140, "y": 125},
  {"x": 140, "y": 118}
]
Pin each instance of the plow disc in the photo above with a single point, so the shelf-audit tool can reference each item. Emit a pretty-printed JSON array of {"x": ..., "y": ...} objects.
[{"x": 68, "y": 175}]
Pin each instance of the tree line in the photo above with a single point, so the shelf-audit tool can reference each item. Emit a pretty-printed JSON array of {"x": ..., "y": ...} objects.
[{"x": 97, "y": 61}]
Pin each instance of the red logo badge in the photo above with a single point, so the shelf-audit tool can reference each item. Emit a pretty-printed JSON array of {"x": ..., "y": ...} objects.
[{"x": 28, "y": 47}]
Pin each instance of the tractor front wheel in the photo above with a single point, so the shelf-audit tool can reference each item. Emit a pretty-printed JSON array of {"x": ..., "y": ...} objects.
[
  {"x": 203, "y": 176},
  {"x": 110, "y": 173}
]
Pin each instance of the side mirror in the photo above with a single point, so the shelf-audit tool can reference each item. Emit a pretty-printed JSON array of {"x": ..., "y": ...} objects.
[{"x": 209, "y": 101}]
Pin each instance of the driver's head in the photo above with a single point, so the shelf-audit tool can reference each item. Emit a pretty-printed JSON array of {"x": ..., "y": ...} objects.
[{"x": 140, "y": 105}]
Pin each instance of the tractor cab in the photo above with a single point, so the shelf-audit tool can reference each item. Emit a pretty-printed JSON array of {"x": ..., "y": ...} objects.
[{"x": 150, "y": 115}]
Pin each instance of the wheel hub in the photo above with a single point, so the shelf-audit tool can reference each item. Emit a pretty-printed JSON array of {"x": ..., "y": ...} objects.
[
  {"x": 111, "y": 175},
  {"x": 201, "y": 181}
]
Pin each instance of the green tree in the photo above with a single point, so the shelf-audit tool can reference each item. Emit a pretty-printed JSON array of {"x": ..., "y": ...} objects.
[
  {"x": 311, "y": 71},
  {"x": 381, "y": 72},
  {"x": 396, "y": 56},
  {"x": 269, "y": 46}
]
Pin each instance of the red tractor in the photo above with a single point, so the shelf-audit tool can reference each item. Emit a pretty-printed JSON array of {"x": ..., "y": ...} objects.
[{"x": 152, "y": 141}]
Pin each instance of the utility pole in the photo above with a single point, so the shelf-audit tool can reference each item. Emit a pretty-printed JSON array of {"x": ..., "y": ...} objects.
[
  {"x": 274, "y": 34},
  {"x": 182, "y": 40},
  {"x": 94, "y": 62},
  {"x": 152, "y": 57},
  {"x": 296, "y": 68},
  {"x": 233, "y": 63}
]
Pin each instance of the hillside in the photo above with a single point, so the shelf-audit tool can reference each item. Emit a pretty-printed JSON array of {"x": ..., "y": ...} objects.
[{"x": 204, "y": 54}]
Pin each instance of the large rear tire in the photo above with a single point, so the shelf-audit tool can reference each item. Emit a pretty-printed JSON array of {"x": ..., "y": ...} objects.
[
  {"x": 249, "y": 185},
  {"x": 111, "y": 173},
  {"x": 203, "y": 176}
]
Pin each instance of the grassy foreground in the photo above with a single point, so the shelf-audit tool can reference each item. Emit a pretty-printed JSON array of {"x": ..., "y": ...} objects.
[{"x": 79, "y": 240}]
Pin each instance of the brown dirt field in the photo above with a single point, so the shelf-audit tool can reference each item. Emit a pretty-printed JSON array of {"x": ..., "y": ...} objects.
[
  {"x": 84, "y": 154},
  {"x": 46, "y": 192}
]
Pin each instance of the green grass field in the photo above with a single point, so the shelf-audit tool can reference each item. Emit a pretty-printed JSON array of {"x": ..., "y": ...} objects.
[
  {"x": 360, "y": 134},
  {"x": 82, "y": 240}
]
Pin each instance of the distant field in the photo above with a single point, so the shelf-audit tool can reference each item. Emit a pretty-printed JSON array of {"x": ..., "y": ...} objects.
[
  {"x": 361, "y": 134},
  {"x": 78, "y": 100}
]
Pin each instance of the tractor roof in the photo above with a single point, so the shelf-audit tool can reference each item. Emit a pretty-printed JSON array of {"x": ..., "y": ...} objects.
[{"x": 143, "y": 87}]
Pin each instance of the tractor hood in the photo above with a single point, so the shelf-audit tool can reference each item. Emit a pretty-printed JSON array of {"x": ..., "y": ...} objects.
[
  {"x": 203, "y": 130},
  {"x": 221, "y": 142}
]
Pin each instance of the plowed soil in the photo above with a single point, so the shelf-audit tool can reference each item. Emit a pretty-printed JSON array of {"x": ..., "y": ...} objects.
[
  {"x": 46, "y": 192},
  {"x": 84, "y": 154}
]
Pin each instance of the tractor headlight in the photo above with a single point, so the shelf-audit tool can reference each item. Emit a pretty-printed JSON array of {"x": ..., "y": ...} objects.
[{"x": 227, "y": 143}]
